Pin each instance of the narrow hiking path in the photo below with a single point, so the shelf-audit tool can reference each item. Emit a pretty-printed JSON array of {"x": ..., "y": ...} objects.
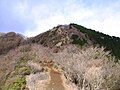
[
  {"x": 50, "y": 79},
  {"x": 56, "y": 82}
]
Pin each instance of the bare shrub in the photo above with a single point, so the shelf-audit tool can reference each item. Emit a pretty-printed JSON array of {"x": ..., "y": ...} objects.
[
  {"x": 21, "y": 55},
  {"x": 89, "y": 69}
]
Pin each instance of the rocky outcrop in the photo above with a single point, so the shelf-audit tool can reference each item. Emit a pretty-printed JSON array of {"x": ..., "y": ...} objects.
[{"x": 58, "y": 36}]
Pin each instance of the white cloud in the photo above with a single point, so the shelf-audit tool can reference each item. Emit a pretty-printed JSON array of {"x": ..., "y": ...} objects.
[
  {"x": 21, "y": 9},
  {"x": 106, "y": 21},
  {"x": 47, "y": 15}
]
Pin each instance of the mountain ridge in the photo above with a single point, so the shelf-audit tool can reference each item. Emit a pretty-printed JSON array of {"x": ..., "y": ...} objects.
[
  {"x": 74, "y": 34},
  {"x": 80, "y": 58}
]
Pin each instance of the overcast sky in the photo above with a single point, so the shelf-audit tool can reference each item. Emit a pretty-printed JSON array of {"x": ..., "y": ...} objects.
[{"x": 32, "y": 17}]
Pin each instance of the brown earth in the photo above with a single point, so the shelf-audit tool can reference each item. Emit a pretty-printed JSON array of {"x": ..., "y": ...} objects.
[{"x": 54, "y": 79}]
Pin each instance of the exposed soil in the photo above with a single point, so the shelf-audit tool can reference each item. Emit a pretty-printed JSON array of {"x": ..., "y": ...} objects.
[
  {"x": 51, "y": 80},
  {"x": 56, "y": 82}
]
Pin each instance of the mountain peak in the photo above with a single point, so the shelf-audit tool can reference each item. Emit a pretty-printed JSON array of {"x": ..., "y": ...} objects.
[
  {"x": 9, "y": 41},
  {"x": 68, "y": 34},
  {"x": 77, "y": 34},
  {"x": 69, "y": 53},
  {"x": 58, "y": 36}
]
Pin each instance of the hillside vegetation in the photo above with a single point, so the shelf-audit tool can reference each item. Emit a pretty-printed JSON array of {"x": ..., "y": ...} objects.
[
  {"x": 82, "y": 58},
  {"x": 110, "y": 42},
  {"x": 9, "y": 41}
]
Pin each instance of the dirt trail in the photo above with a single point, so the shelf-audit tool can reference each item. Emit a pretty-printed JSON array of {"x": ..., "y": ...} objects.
[
  {"x": 54, "y": 79},
  {"x": 56, "y": 82}
]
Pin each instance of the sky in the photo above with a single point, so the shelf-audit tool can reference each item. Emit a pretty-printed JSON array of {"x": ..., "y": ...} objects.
[{"x": 32, "y": 17}]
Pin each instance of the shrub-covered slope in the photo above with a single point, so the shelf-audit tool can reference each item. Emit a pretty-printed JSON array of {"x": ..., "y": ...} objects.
[
  {"x": 9, "y": 41},
  {"x": 77, "y": 34},
  {"x": 85, "y": 57},
  {"x": 111, "y": 43}
]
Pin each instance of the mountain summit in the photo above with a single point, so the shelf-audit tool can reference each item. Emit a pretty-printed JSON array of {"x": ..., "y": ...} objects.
[
  {"x": 77, "y": 34},
  {"x": 60, "y": 35},
  {"x": 67, "y": 57}
]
